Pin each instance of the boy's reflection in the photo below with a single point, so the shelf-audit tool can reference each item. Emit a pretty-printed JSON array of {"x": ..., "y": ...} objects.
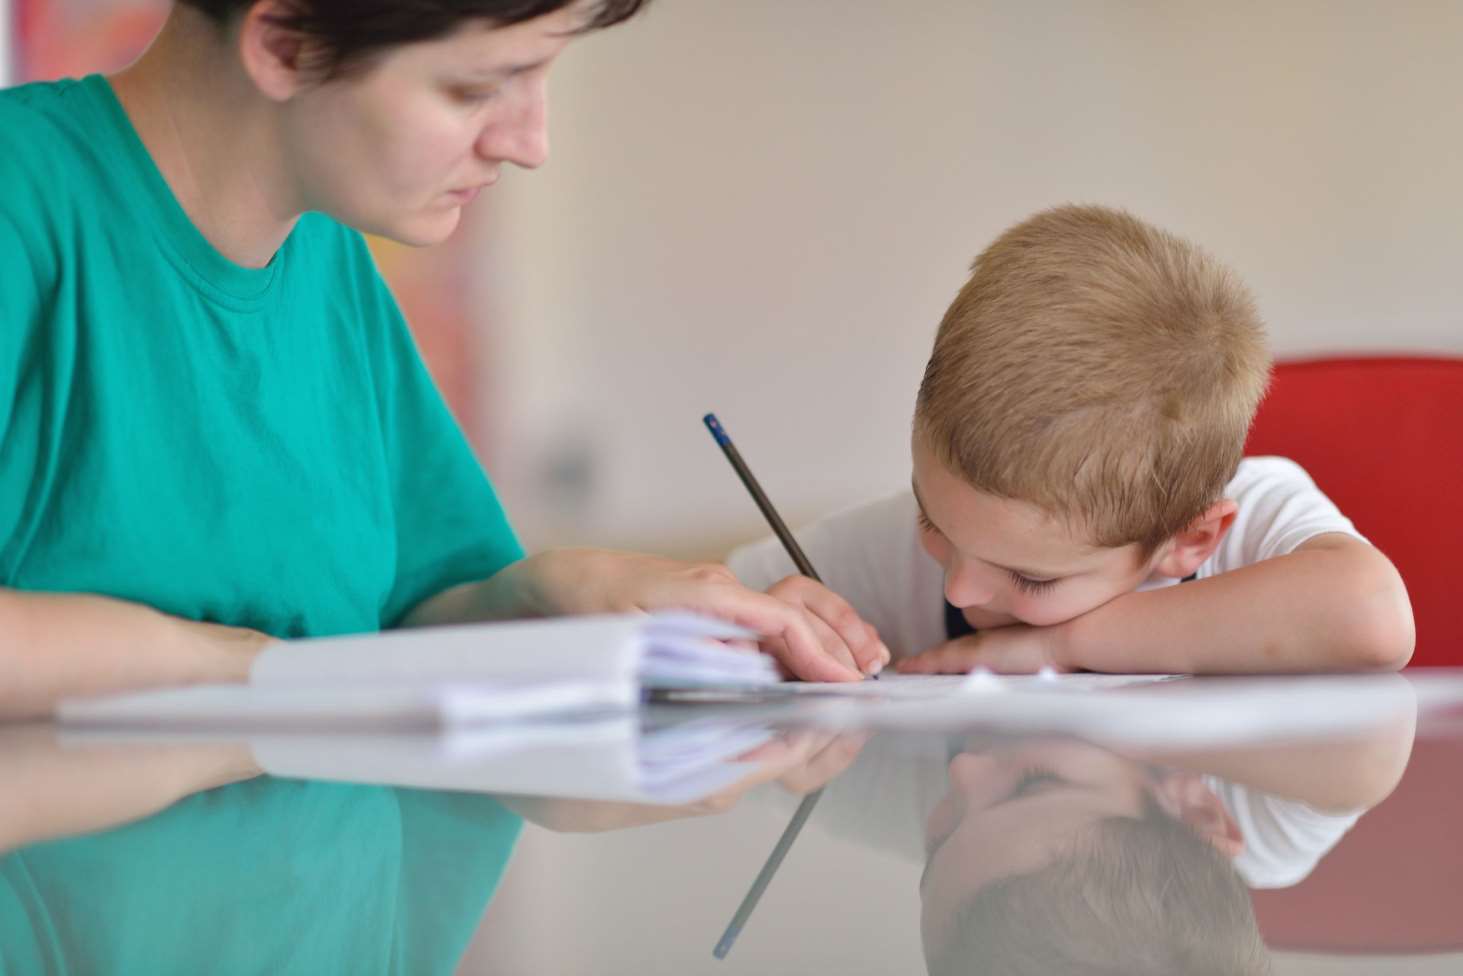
[
  {"x": 1056, "y": 856},
  {"x": 1047, "y": 854}
]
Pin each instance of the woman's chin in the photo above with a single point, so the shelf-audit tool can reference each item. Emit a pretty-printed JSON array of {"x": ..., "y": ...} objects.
[{"x": 422, "y": 229}]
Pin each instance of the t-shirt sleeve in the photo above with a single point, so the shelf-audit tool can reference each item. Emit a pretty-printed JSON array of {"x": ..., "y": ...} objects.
[
  {"x": 450, "y": 525},
  {"x": 19, "y": 308},
  {"x": 1279, "y": 508},
  {"x": 27, "y": 289},
  {"x": 21, "y": 284},
  {"x": 1284, "y": 839}
]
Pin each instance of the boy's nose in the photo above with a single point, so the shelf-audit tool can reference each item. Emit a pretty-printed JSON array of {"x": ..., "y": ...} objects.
[{"x": 964, "y": 588}]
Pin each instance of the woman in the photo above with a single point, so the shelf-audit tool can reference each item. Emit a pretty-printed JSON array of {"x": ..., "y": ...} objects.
[{"x": 217, "y": 429}]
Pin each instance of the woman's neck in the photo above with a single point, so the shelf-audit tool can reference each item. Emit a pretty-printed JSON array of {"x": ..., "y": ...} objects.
[{"x": 213, "y": 137}]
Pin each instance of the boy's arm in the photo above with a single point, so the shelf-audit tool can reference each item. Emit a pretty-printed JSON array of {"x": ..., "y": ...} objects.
[
  {"x": 1353, "y": 771},
  {"x": 1333, "y": 604}
]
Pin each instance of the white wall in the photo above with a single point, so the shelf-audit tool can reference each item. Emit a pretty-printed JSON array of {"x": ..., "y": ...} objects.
[{"x": 762, "y": 208}]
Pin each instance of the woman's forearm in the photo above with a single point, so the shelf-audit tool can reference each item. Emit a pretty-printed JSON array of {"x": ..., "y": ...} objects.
[
  {"x": 70, "y": 790},
  {"x": 59, "y": 645}
]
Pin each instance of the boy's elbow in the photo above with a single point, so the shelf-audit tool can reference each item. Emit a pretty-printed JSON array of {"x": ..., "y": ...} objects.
[{"x": 1384, "y": 631}]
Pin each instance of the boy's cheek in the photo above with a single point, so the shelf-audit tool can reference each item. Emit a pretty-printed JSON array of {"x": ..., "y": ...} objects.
[{"x": 1058, "y": 609}]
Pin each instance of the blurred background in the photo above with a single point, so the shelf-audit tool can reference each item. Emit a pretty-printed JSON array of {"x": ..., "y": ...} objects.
[{"x": 760, "y": 208}]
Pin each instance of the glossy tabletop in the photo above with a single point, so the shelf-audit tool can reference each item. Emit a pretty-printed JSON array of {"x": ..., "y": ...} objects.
[{"x": 1017, "y": 825}]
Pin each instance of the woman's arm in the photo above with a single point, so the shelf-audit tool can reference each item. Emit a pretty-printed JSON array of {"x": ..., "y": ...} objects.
[
  {"x": 48, "y": 791},
  {"x": 54, "y": 646}
]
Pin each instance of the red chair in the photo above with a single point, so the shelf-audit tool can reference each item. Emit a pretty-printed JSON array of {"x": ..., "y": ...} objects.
[{"x": 1383, "y": 437}]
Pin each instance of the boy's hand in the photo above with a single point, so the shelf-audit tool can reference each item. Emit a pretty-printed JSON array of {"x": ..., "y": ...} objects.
[
  {"x": 842, "y": 632},
  {"x": 1017, "y": 649}
]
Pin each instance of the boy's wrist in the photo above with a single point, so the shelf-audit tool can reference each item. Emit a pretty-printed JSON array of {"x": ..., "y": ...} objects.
[{"x": 1064, "y": 645}]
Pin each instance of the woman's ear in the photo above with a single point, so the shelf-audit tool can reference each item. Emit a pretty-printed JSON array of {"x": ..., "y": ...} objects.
[
  {"x": 1186, "y": 551},
  {"x": 274, "y": 57},
  {"x": 1186, "y": 797}
]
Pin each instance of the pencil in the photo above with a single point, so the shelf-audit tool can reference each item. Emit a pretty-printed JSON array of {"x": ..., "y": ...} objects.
[{"x": 805, "y": 808}]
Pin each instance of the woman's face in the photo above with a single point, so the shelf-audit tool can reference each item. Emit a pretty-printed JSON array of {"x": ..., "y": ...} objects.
[{"x": 399, "y": 148}]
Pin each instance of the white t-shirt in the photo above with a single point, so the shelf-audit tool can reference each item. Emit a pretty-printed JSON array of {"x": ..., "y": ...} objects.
[{"x": 871, "y": 556}]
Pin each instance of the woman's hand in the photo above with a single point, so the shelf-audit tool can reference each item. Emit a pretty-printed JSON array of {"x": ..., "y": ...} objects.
[
  {"x": 800, "y": 761},
  {"x": 811, "y": 631}
]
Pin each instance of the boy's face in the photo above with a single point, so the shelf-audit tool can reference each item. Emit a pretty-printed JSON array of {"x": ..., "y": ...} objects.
[
  {"x": 1007, "y": 562},
  {"x": 1012, "y": 809}
]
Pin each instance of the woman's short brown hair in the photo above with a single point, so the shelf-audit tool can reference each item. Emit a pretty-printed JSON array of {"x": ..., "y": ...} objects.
[{"x": 347, "y": 32}]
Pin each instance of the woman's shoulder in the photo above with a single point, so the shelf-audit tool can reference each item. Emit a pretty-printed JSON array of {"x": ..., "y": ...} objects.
[
  {"x": 43, "y": 141},
  {"x": 38, "y": 119}
]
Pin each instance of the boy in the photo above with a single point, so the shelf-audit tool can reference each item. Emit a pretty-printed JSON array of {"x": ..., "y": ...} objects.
[{"x": 1077, "y": 456}]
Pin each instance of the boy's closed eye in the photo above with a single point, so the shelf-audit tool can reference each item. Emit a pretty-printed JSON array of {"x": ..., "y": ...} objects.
[
  {"x": 1026, "y": 584},
  {"x": 1033, "y": 586}
]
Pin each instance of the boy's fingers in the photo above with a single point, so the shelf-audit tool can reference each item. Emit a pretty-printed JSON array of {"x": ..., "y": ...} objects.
[
  {"x": 830, "y": 763},
  {"x": 868, "y": 652},
  {"x": 860, "y": 638},
  {"x": 946, "y": 659},
  {"x": 833, "y": 643},
  {"x": 803, "y": 651},
  {"x": 794, "y": 643}
]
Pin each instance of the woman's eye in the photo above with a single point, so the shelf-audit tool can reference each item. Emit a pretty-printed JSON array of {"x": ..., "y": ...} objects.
[
  {"x": 474, "y": 96},
  {"x": 1028, "y": 585},
  {"x": 926, "y": 524}
]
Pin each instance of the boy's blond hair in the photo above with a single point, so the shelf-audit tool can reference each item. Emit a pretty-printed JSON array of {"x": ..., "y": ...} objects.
[
  {"x": 1145, "y": 897},
  {"x": 1100, "y": 369}
]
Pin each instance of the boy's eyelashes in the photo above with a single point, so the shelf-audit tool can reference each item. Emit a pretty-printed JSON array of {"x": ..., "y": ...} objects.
[
  {"x": 1034, "y": 780},
  {"x": 1023, "y": 583},
  {"x": 1028, "y": 585}
]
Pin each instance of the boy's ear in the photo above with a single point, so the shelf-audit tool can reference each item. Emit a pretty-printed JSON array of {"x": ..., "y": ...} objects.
[
  {"x": 1186, "y": 797},
  {"x": 273, "y": 56},
  {"x": 1183, "y": 554}
]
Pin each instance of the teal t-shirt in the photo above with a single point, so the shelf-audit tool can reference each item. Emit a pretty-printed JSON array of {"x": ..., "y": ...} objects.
[{"x": 257, "y": 447}]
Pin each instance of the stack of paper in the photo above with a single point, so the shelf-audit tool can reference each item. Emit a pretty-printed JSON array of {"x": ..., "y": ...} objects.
[{"x": 451, "y": 676}]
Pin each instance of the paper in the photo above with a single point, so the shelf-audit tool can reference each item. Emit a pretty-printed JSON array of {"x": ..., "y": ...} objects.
[
  {"x": 640, "y": 648},
  {"x": 449, "y": 676},
  {"x": 607, "y": 758},
  {"x": 903, "y": 687},
  {"x": 1136, "y": 709},
  {"x": 404, "y": 707}
]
